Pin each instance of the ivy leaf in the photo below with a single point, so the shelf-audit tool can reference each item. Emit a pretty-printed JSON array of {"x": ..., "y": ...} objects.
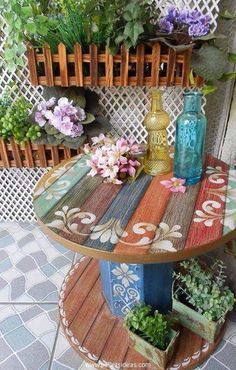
[
  {"x": 208, "y": 89},
  {"x": 232, "y": 57},
  {"x": 27, "y": 11},
  {"x": 30, "y": 27},
  {"x": 227, "y": 76}
]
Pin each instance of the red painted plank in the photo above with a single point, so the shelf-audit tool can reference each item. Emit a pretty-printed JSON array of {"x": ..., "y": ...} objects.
[
  {"x": 150, "y": 210},
  {"x": 209, "y": 208}
]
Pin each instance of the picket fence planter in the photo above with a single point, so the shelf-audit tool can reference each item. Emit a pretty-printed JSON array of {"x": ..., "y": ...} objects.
[
  {"x": 149, "y": 65},
  {"x": 32, "y": 155},
  {"x": 197, "y": 323},
  {"x": 154, "y": 354}
]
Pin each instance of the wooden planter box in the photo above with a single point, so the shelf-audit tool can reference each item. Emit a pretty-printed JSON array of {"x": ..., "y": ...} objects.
[
  {"x": 197, "y": 323},
  {"x": 153, "y": 354},
  {"x": 151, "y": 65},
  {"x": 32, "y": 155}
]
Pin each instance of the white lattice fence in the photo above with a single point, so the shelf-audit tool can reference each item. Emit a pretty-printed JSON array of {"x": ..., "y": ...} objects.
[{"x": 126, "y": 108}]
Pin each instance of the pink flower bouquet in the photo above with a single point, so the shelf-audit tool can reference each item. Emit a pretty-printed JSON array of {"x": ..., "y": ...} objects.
[{"x": 112, "y": 159}]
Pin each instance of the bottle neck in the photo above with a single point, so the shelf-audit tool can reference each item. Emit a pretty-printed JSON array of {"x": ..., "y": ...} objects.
[
  {"x": 192, "y": 103},
  {"x": 156, "y": 104}
]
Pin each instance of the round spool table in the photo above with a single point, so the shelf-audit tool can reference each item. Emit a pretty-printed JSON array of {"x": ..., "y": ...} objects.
[{"x": 132, "y": 233}]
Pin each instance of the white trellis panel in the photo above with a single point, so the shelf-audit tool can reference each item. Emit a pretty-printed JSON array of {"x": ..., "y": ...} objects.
[{"x": 126, "y": 108}]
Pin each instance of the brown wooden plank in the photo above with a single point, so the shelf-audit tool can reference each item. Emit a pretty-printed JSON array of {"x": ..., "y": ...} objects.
[
  {"x": 171, "y": 67},
  {"x": 3, "y": 153},
  {"x": 136, "y": 360},
  {"x": 48, "y": 65},
  {"x": 179, "y": 212},
  {"x": 117, "y": 344},
  {"x": 55, "y": 155},
  {"x": 78, "y": 65},
  {"x": 16, "y": 153},
  {"x": 156, "y": 52},
  {"x": 42, "y": 156},
  {"x": 77, "y": 296},
  {"x": 67, "y": 152},
  {"x": 186, "y": 67},
  {"x": 140, "y": 65},
  {"x": 109, "y": 69},
  {"x": 30, "y": 53},
  {"x": 124, "y": 67},
  {"x": 93, "y": 64},
  {"x": 88, "y": 312},
  {"x": 63, "y": 64},
  {"x": 28, "y": 154},
  {"x": 209, "y": 227},
  {"x": 156, "y": 197}
]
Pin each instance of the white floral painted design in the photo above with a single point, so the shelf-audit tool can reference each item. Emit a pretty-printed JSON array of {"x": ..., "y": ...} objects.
[
  {"x": 110, "y": 231},
  {"x": 126, "y": 276},
  {"x": 162, "y": 238}
]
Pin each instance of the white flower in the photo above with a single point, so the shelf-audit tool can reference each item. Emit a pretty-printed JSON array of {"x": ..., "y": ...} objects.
[{"x": 125, "y": 275}]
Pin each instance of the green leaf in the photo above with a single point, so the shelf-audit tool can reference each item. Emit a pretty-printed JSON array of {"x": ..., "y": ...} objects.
[
  {"x": 50, "y": 130},
  {"x": 227, "y": 76},
  {"x": 8, "y": 17},
  {"x": 30, "y": 27},
  {"x": 89, "y": 119},
  {"x": 128, "y": 16},
  {"x": 191, "y": 78},
  {"x": 211, "y": 36},
  {"x": 42, "y": 18},
  {"x": 208, "y": 89},
  {"x": 227, "y": 15},
  {"x": 27, "y": 11},
  {"x": 9, "y": 54},
  {"x": 232, "y": 57},
  {"x": 76, "y": 144}
]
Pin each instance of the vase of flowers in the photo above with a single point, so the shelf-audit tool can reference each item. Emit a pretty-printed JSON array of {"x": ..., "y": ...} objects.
[
  {"x": 151, "y": 334},
  {"x": 201, "y": 299},
  {"x": 113, "y": 159}
]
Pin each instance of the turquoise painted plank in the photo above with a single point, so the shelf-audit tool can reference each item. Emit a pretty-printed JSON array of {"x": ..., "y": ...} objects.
[
  {"x": 106, "y": 234},
  {"x": 230, "y": 205},
  {"x": 51, "y": 196}
]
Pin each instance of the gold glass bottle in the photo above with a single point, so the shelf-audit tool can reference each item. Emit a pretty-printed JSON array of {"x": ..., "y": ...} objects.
[{"x": 157, "y": 160}]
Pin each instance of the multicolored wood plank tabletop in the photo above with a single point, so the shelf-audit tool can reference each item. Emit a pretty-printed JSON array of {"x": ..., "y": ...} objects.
[{"x": 140, "y": 221}]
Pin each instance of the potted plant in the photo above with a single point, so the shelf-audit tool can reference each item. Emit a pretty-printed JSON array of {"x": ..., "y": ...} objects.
[
  {"x": 151, "y": 334},
  {"x": 201, "y": 299}
]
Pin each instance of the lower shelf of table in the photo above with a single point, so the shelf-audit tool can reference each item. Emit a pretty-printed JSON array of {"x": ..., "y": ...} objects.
[{"x": 99, "y": 337}]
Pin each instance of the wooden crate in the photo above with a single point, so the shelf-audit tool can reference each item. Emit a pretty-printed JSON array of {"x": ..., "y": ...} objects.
[
  {"x": 149, "y": 65},
  {"x": 32, "y": 155}
]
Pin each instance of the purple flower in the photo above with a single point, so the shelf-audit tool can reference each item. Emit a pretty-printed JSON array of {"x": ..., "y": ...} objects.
[
  {"x": 77, "y": 130},
  {"x": 39, "y": 118},
  {"x": 81, "y": 115},
  {"x": 66, "y": 126},
  {"x": 198, "y": 29},
  {"x": 166, "y": 26}
]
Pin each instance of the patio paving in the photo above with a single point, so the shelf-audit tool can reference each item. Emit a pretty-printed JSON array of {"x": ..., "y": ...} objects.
[{"x": 32, "y": 268}]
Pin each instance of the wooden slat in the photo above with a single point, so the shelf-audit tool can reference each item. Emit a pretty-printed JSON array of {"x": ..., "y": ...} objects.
[
  {"x": 16, "y": 153},
  {"x": 199, "y": 232},
  {"x": 79, "y": 79},
  {"x": 186, "y": 67},
  {"x": 117, "y": 344},
  {"x": 3, "y": 153},
  {"x": 109, "y": 69},
  {"x": 28, "y": 154},
  {"x": 67, "y": 152},
  {"x": 124, "y": 67},
  {"x": 63, "y": 64},
  {"x": 55, "y": 155},
  {"x": 179, "y": 206},
  {"x": 171, "y": 67},
  {"x": 48, "y": 65},
  {"x": 93, "y": 64},
  {"x": 121, "y": 209},
  {"x": 156, "y": 51},
  {"x": 156, "y": 197},
  {"x": 80, "y": 290},
  {"x": 32, "y": 65},
  {"x": 140, "y": 64},
  {"x": 88, "y": 312},
  {"x": 42, "y": 156},
  {"x": 70, "y": 284}
]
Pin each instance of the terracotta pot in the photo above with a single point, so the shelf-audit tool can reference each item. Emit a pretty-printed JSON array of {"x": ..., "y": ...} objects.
[
  {"x": 154, "y": 354},
  {"x": 197, "y": 323}
]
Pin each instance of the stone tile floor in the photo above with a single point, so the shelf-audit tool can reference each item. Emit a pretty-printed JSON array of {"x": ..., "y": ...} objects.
[{"x": 32, "y": 268}]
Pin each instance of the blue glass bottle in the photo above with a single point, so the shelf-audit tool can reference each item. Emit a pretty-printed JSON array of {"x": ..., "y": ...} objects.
[{"x": 190, "y": 139}]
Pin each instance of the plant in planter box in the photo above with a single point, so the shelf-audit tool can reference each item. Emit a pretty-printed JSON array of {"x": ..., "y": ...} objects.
[
  {"x": 201, "y": 297},
  {"x": 151, "y": 334},
  {"x": 69, "y": 117}
]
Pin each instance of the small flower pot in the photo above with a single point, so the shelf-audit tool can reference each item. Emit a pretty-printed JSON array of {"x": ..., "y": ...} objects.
[
  {"x": 197, "y": 323},
  {"x": 154, "y": 354}
]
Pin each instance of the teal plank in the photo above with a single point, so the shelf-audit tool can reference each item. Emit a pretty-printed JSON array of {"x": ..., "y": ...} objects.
[
  {"x": 230, "y": 205},
  {"x": 52, "y": 195},
  {"x": 105, "y": 235}
]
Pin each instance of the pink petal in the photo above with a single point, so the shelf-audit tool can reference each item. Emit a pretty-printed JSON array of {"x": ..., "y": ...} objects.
[
  {"x": 181, "y": 189},
  {"x": 166, "y": 183},
  {"x": 174, "y": 189}
]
